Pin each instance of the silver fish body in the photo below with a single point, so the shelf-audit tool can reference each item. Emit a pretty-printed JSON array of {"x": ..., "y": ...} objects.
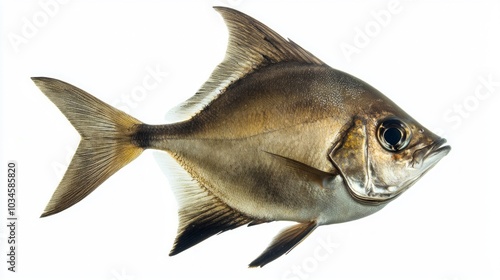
[
  {"x": 284, "y": 113},
  {"x": 274, "y": 134}
]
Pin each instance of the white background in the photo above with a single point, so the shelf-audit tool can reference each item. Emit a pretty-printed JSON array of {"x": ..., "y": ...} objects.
[{"x": 429, "y": 57}]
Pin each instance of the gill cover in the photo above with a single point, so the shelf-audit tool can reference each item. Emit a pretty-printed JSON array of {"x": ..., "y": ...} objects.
[{"x": 350, "y": 156}]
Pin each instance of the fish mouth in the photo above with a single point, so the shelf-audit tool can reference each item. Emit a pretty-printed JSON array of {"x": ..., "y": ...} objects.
[
  {"x": 427, "y": 157},
  {"x": 424, "y": 159},
  {"x": 438, "y": 149}
]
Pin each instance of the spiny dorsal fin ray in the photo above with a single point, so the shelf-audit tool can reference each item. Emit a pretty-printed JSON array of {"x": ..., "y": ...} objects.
[
  {"x": 252, "y": 45},
  {"x": 201, "y": 214},
  {"x": 284, "y": 243}
]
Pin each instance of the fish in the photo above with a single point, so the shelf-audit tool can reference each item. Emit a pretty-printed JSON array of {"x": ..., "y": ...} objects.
[{"x": 274, "y": 134}]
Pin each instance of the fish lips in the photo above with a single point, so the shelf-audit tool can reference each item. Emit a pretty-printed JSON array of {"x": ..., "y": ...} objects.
[{"x": 427, "y": 157}]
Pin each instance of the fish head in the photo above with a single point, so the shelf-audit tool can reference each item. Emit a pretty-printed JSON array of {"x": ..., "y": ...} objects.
[{"x": 384, "y": 152}]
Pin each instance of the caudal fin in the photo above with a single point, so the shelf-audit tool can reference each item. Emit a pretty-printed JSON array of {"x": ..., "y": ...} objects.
[{"x": 106, "y": 145}]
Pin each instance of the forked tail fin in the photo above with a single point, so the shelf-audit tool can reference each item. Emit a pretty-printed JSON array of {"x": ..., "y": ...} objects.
[{"x": 106, "y": 145}]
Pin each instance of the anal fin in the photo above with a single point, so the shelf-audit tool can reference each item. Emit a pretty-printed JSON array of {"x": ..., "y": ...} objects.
[
  {"x": 284, "y": 243},
  {"x": 201, "y": 213},
  {"x": 196, "y": 225}
]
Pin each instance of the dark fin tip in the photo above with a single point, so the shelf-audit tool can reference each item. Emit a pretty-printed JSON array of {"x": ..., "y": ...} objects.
[
  {"x": 284, "y": 242},
  {"x": 202, "y": 215}
]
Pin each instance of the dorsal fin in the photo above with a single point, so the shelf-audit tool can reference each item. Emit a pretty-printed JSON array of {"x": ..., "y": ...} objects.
[
  {"x": 201, "y": 214},
  {"x": 252, "y": 45}
]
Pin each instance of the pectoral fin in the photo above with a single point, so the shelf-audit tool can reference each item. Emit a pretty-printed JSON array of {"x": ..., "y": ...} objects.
[
  {"x": 312, "y": 174},
  {"x": 284, "y": 243}
]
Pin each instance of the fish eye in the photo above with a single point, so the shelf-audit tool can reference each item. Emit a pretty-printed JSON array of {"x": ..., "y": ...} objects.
[{"x": 393, "y": 135}]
